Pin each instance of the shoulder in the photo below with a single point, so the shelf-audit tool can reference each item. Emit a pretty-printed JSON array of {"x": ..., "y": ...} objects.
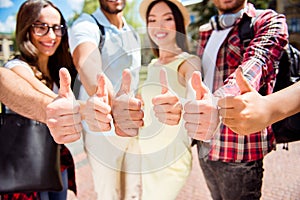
[
  {"x": 16, "y": 62},
  {"x": 188, "y": 56},
  {"x": 205, "y": 27},
  {"x": 83, "y": 18},
  {"x": 190, "y": 61},
  {"x": 84, "y": 29}
]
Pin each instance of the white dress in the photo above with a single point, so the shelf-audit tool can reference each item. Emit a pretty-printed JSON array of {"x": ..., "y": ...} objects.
[{"x": 166, "y": 153}]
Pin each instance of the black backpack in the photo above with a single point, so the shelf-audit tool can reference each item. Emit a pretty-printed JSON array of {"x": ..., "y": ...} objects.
[{"x": 287, "y": 73}]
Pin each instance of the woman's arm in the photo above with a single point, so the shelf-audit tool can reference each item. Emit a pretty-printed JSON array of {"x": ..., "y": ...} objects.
[{"x": 251, "y": 112}]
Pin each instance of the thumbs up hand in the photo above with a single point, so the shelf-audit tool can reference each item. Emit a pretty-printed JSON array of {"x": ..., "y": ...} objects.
[
  {"x": 244, "y": 114},
  {"x": 167, "y": 106},
  {"x": 127, "y": 110},
  {"x": 97, "y": 111},
  {"x": 201, "y": 114},
  {"x": 63, "y": 117}
]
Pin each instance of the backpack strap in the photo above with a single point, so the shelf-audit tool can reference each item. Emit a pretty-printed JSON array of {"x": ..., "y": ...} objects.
[
  {"x": 246, "y": 34},
  {"x": 102, "y": 36}
]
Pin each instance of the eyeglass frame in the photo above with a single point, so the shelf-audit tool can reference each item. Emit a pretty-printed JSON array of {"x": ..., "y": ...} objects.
[{"x": 63, "y": 29}]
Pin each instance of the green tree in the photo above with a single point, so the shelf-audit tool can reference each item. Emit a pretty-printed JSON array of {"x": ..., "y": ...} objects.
[{"x": 130, "y": 11}]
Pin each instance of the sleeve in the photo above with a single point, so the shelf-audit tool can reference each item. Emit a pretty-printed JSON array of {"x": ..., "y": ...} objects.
[
  {"x": 84, "y": 29},
  {"x": 16, "y": 62},
  {"x": 263, "y": 52}
]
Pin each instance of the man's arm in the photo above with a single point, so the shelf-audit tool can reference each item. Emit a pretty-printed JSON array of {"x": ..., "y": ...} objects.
[
  {"x": 21, "y": 97},
  {"x": 88, "y": 62}
]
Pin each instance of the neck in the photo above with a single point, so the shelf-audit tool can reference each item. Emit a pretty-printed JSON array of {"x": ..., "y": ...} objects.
[
  {"x": 115, "y": 19},
  {"x": 168, "y": 55},
  {"x": 43, "y": 65}
]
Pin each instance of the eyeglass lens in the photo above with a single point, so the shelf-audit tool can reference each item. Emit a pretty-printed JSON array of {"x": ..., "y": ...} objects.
[{"x": 43, "y": 29}]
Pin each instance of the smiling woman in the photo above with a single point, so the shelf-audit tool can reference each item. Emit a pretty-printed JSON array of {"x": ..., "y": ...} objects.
[
  {"x": 9, "y": 8},
  {"x": 42, "y": 41}
]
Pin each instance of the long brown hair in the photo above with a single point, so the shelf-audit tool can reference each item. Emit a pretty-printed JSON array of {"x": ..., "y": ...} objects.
[
  {"x": 181, "y": 38},
  {"x": 28, "y": 14}
]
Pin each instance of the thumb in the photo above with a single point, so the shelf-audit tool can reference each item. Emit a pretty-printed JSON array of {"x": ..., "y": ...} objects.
[
  {"x": 126, "y": 81},
  {"x": 163, "y": 81},
  {"x": 102, "y": 89},
  {"x": 64, "y": 82},
  {"x": 242, "y": 82},
  {"x": 198, "y": 85}
]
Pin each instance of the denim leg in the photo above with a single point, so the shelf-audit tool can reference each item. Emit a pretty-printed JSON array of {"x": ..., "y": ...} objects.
[
  {"x": 62, "y": 195},
  {"x": 236, "y": 181}
]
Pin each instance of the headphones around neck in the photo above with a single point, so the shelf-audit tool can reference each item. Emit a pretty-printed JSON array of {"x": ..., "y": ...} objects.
[{"x": 221, "y": 22}]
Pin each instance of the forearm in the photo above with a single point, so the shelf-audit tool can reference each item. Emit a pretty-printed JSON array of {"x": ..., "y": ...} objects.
[
  {"x": 21, "y": 97},
  {"x": 284, "y": 103},
  {"x": 87, "y": 60}
]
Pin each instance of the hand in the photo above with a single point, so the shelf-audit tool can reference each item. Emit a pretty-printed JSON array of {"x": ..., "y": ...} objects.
[
  {"x": 127, "y": 110},
  {"x": 201, "y": 114},
  {"x": 167, "y": 106},
  {"x": 244, "y": 114},
  {"x": 97, "y": 111},
  {"x": 63, "y": 117}
]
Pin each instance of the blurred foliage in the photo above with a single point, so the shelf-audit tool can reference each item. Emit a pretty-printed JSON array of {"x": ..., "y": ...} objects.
[{"x": 90, "y": 6}]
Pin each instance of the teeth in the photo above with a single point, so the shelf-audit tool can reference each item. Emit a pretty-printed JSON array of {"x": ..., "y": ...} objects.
[
  {"x": 48, "y": 44},
  {"x": 159, "y": 35}
]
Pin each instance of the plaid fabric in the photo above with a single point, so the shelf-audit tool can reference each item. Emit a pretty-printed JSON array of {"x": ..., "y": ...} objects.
[
  {"x": 67, "y": 162},
  {"x": 257, "y": 62},
  {"x": 20, "y": 196}
]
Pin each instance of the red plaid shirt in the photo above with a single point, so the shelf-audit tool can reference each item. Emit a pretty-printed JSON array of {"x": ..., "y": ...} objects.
[{"x": 257, "y": 63}]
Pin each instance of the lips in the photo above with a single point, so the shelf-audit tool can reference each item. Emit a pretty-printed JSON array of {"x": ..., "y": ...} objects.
[
  {"x": 115, "y": 1},
  {"x": 48, "y": 44},
  {"x": 161, "y": 35}
]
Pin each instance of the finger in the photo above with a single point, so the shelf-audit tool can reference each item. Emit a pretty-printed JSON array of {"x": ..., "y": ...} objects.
[
  {"x": 165, "y": 99},
  {"x": 198, "y": 86},
  {"x": 242, "y": 82},
  {"x": 126, "y": 81},
  {"x": 67, "y": 138},
  {"x": 173, "y": 108},
  {"x": 163, "y": 81},
  {"x": 102, "y": 89},
  {"x": 65, "y": 82},
  {"x": 226, "y": 102},
  {"x": 126, "y": 132}
]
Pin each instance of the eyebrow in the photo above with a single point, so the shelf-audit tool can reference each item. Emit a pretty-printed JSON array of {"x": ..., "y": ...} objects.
[{"x": 165, "y": 14}]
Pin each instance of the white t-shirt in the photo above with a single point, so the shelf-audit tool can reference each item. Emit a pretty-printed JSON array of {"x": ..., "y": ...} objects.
[{"x": 121, "y": 48}]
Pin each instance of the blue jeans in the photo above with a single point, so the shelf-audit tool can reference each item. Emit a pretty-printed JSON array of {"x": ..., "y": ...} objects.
[
  {"x": 62, "y": 195},
  {"x": 228, "y": 181}
]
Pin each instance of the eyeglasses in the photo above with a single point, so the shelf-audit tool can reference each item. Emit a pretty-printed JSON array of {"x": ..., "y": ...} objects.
[{"x": 43, "y": 29}]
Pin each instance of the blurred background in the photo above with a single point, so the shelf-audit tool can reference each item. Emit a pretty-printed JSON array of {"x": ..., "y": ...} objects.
[{"x": 200, "y": 13}]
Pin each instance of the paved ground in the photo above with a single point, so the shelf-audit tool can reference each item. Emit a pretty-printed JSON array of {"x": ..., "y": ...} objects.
[{"x": 281, "y": 177}]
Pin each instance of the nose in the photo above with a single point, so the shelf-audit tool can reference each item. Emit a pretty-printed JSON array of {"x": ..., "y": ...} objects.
[{"x": 51, "y": 33}]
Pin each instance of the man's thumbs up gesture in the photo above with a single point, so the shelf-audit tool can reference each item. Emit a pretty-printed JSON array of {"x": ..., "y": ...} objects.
[
  {"x": 241, "y": 113},
  {"x": 201, "y": 114},
  {"x": 127, "y": 110},
  {"x": 63, "y": 117},
  {"x": 167, "y": 106},
  {"x": 97, "y": 111}
]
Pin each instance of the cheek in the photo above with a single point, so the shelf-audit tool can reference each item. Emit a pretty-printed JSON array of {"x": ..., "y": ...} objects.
[
  {"x": 33, "y": 39},
  {"x": 151, "y": 31}
]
